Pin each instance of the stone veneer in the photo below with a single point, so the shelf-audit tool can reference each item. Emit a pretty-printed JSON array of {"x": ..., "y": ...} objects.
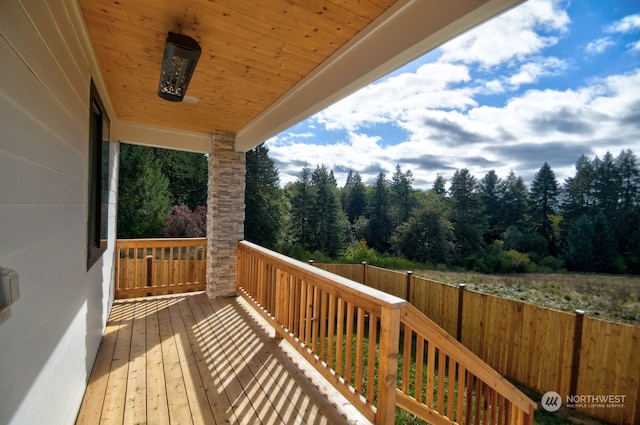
[{"x": 225, "y": 214}]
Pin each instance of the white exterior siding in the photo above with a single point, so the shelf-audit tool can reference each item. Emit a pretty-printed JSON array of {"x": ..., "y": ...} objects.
[{"x": 49, "y": 342}]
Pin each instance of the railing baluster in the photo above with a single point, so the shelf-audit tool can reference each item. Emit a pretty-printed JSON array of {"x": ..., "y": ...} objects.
[
  {"x": 371, "y": 360},
  {"x": 441, "y": 383},
  {"x": 340, "y": 337},
  {"x": 315, "y": 320},
  {"x": 462, "y": 372},
  {"x": 359, "y": 351},
  {"x": 322, "y": 336},
  {"x": 308, "y": 315},
  {"x": 407, "y": 334},
  {"x": 331, "y": 319},
  {"x": 478, "y": 401},
  {"x": 349, "y": 344},
  {"x": 451, "y": 386},
  {"x": 431, "y": 367},
  {"x": 419, "y": 368}
]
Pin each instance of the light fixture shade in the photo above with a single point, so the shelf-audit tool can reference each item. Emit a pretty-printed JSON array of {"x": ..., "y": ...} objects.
[{"x": 181, "y": 55}]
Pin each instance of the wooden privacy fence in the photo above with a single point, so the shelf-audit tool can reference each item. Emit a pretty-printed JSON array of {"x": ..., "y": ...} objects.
[
  {"x": 541, "y": 348},
  {"x": 375, "y": 348},
  {"x": 160, "y": 266}
]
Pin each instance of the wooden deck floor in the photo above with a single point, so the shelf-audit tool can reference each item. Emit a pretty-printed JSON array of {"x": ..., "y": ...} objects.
[{"x": 191, "y": 360}]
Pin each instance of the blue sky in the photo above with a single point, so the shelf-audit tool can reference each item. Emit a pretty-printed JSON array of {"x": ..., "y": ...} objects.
[{"x": 545, "y": 82}]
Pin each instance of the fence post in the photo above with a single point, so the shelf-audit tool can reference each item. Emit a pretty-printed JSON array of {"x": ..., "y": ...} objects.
[
  {"x": 364, "y": 272},
  {"x": 311, "y": 262},
  {"x": 149, "y": 270},
  {"x": 408, "y": 292},
  {"x": 461, "y": 288},
  {"x": 390, "y": 321},
  {"x": 575, "y": 358}
]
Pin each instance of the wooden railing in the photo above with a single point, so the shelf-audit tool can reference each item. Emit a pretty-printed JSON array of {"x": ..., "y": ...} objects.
[
  {"x": 353, "y": 335},
  {"x": 441, "y": 378},
  {"x": 160, "y": 266},
  {"x": 349, "y": 332},
  {"x": 541, "y": 348}
]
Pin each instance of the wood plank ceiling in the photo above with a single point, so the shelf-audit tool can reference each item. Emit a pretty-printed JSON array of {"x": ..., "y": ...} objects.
[{"x": 253, "y": 51}]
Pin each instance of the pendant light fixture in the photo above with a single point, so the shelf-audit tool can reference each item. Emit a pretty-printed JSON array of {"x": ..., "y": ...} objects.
[{"x": 181, "y": 55}]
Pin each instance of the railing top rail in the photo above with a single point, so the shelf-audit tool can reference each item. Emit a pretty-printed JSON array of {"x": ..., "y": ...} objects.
[
  {"x": 327, "y": 279},
  {"x": 159, "y": 242}
]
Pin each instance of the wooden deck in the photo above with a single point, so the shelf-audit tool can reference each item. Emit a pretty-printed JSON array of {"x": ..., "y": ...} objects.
[{"x": 192, "y": 360}]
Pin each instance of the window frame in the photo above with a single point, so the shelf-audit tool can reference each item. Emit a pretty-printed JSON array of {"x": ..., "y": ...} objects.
[{"x": 98, "y": 178}]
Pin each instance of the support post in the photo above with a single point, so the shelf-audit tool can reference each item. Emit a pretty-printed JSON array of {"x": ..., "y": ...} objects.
[
  {"x": 408, "y": 290},
  {"x": 390, "y": 318},
  {"x": 225, "y": 214},
  {"x": 575, "y": 358},
  {"x": 364, "y": 272},
  {"x": 461, "y": 288}
]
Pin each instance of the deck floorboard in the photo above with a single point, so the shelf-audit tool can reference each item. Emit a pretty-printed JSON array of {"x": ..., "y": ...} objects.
[{"x": 189, "y": 359}]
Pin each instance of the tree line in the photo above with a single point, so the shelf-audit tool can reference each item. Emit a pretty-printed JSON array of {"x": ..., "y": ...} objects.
[
  {"x": 589, "y": 223},
  {"x": 161, "y": 193}
]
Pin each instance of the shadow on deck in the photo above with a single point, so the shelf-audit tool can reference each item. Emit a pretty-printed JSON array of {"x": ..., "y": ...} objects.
[{"x": 193, "y": 360}]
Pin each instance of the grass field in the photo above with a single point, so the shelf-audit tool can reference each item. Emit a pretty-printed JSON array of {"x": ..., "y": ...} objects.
[{"x": 608, "y": 297}]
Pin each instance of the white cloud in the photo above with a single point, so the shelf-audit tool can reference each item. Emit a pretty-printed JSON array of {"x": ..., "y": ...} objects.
[
  {"x": 634, "y": 47},
  {"x": 599, "y": 45},
  {"x": 626, "y": 25},
  {"x": 590, "y": 119},
  {"x": 513, "y": 35},
  {"x": 532, "y": 71},
  {"x": 434, "y": 85}
]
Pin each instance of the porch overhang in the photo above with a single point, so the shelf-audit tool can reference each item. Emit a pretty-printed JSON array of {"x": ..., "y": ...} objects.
[{"x": 265, "y": 65}]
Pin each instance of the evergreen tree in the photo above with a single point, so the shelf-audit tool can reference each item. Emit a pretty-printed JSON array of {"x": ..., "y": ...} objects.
[
  {"x": 544, "y": 200},
  {"x": 628, "y": 223},
  {"x": 579, "y": 247},
  {"x": 490, "y": 191},
  {"x": 605, "y": 252},
  {"x": 344, "y": 193},
  {"x": 325, "y": 216},
  {"x": 187, "y": 173},
  {"x": 439, "y": 185},
  {"x": 354, "y": 196},
  {"x": 607, "y": 185},
  {"x": 513, "y": 201},
  {"x": 402, "y": 197},
  {"x": 578, "y": 193},
  {"x": 427, "y": 236},
  {"x": 143, "y": 194},
  {"x": 466, "y": 216},
  {"x": 301, "y": 200},
  {"x": 263, "y": 199},
  {"x": 629, "y": 172},
  {"x": 379, "y": 225}
]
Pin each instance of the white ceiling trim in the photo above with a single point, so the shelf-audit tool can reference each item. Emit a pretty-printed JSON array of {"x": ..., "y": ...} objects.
[{"x": 161, "y": 137}]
